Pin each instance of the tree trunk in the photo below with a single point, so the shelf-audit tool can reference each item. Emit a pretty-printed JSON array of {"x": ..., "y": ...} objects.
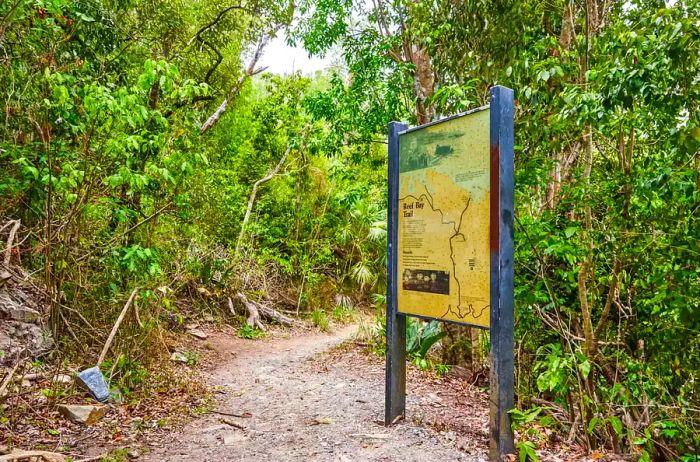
[{"x": 423, "y": 84}]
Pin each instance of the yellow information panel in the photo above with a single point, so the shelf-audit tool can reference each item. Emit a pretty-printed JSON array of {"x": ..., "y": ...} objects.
[{"x": 443, "y": 226}]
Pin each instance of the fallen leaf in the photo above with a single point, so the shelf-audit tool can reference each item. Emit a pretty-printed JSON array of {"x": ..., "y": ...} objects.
[{"x": 320, "y": 421}]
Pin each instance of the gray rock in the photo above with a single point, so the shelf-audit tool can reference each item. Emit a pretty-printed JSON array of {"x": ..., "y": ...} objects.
[
  {"x": 4, "y": 276},
  {"x": 15, "y": 294},
  {"x": 23, "y": 314},
  {"x": 19, "y": 338},
  {"x": 198, "y": 333},
  {"x": 178, "y": 357},
  {"x": 84, "y": 414},
  {"x": 21, "y": 306}
]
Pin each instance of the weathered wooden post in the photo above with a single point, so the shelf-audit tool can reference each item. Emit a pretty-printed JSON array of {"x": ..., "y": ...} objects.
[
  {"x": 502, "y": 314},
  {"x": 395, "y": 395}
]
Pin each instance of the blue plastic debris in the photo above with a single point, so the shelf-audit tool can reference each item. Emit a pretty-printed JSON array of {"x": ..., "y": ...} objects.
[{"x": 94, "y": 381}]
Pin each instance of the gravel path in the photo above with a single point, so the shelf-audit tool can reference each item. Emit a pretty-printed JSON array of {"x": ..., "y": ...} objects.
[{"x": 300, "y": 403}]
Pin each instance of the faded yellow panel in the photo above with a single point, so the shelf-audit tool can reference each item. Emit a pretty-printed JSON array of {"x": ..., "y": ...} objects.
[{"x": 443, "y": 227}]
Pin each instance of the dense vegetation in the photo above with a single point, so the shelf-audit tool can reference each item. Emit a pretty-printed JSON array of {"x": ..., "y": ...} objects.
[{"x": 142, "y": 146}]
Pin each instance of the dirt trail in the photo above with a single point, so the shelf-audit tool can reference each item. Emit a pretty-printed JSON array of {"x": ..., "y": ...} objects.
[{"x": 304, "y": 405}]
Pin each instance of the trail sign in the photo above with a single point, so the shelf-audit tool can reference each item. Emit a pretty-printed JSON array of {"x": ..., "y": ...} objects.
[
  {"x": 443, "y": 220},
  {"x": 450, "y": 243}
]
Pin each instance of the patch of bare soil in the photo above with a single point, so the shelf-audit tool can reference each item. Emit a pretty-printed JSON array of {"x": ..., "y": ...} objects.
[{"x": 301, "y": 398}]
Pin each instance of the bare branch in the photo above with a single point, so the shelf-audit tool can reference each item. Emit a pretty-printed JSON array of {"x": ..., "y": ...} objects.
[
  {"x": 254, "y": 192},
  {"x": 250, "y": 71},
  {"x": 105, "y": 349},
  {"x": 10, "y": 243}
]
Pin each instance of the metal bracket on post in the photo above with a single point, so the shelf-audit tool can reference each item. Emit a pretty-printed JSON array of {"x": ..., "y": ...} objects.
[
  {"x": 502, "y": 309},
  {"x": 395, "y": 393}
]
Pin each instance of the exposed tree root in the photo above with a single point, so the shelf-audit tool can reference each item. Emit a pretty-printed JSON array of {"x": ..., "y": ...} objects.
[{"x": 257, "y": 311}]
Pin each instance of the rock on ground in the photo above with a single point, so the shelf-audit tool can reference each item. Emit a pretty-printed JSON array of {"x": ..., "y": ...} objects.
[
  {"x": 84, "y": 414},
  {"x": 21, "y": 309}
]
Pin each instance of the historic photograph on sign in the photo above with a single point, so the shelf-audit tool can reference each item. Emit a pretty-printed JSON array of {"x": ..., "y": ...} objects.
[
  {"x": 422, "y": 280},
  {"x": 443, "y": 220}
]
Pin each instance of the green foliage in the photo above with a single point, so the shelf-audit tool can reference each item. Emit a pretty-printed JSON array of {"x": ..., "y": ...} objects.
[
  {"x": 531, "y": 427},
  {"x": 420, "y": 337},
  {"x": 319, "y": 318},
  {"x": 344, "y": 310},
  {"x": 526, "y": 451},
  {"x": 248, "y": 332},
  {"x": 442, "y": 369},
  {"x": 128, "y": 375},
  {"x": 117, "y": 455}
]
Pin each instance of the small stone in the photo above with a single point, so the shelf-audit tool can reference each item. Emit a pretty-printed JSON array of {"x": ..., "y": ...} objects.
[
  {"x": 204, "y": 291},
  {"x": 178, "y": 357},
  {"x": 198, "y": 334},
  {"x": 63, "y": 378},
  {"x": 209, "y": 318},
  {"x": 192, "y": 325},
  {"x": 84, "y": 414}
]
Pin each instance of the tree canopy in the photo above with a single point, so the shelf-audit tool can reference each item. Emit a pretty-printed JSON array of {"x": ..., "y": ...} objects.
[{"x": 143, "y": 145}]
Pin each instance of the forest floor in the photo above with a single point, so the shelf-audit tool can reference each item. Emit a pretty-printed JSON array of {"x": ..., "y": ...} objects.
[
  {"x": 300, "y": 396},
  {"x": 314, "y": 397},
  {"x": 293, "y": 395}
]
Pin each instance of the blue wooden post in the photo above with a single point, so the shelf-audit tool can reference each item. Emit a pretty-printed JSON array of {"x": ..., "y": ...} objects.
[
  {"x": 502, "y": 316},
  {"x": 395, "y": 393}
]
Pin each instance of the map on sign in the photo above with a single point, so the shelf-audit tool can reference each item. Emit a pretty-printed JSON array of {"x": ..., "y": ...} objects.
[{"x": 443, "y": 220}]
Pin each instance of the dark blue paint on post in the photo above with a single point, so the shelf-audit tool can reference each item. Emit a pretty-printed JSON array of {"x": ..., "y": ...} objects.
[
  {"x": 502, "y": 395},
  {"x": 395, "y": 394}
]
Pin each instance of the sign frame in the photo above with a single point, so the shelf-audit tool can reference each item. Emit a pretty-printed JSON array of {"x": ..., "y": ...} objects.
[
  {"x": 414, "y": 129},
  {"x": 502, "y": 371}
]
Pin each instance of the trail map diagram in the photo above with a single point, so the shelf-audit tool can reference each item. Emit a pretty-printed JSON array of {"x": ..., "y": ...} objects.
[{"x": 443, "y": 207}]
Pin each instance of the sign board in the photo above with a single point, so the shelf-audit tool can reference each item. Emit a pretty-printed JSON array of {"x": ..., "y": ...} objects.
[
  {"x": 450, "y": 244},
  {"x": 443, "y": 220}
]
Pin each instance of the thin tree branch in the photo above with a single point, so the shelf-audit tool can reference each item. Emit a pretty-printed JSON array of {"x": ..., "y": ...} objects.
[
  {"x": 209, "y": 26},
  {"x": 10, "y": 243},
  {"x": 249, "y": 72}
]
